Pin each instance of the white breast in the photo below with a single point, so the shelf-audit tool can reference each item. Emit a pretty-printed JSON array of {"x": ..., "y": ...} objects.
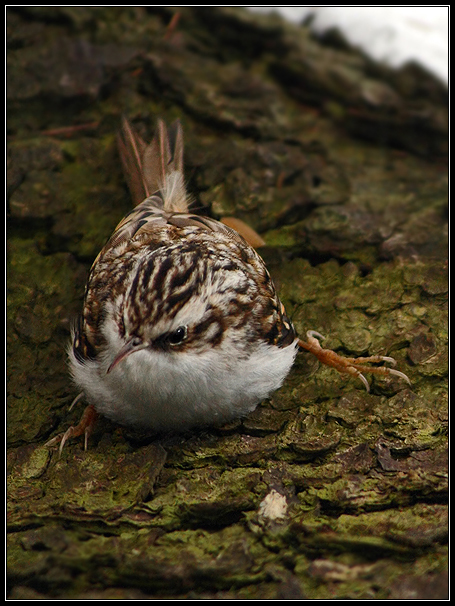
[{"x": 175, "y": 390}]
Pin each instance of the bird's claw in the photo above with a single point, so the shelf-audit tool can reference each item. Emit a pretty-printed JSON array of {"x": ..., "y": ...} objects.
[
  {"x": 352, "y": 366},
  {"x": 84, "y": 427}
]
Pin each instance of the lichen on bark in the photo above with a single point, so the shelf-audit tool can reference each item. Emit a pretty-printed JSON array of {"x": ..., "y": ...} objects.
[{"x": 340, "y": 164}]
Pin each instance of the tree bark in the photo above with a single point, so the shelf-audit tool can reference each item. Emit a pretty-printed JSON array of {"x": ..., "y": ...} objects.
[{"x": 325, "y": 491}]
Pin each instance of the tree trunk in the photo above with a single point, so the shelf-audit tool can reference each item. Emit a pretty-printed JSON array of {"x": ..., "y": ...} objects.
[{"x": 325, "y": 491}]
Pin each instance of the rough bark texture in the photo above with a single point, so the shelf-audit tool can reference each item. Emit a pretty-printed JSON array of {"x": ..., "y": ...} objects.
[{"x": 341, "y": 165}]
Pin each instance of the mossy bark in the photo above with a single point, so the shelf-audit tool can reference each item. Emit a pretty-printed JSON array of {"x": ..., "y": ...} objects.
[{"x": 340, "y": 164}]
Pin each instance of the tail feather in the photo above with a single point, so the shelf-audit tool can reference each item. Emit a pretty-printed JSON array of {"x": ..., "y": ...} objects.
[
  {"x": 157, "y": 167},
  {"x": 131, "y": 149}
]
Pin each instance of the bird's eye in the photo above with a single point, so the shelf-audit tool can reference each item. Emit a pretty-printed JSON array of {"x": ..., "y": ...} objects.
[{"x": 179, "y": 335}]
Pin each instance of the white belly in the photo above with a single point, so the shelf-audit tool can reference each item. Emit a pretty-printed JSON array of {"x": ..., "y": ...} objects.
[{"x": 164, "y": 391}]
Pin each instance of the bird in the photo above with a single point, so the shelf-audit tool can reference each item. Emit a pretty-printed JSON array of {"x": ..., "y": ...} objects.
[{"x": 181, "y": 326}]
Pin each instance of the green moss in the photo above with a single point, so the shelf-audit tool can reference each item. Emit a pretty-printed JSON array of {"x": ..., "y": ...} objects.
[{"x": 357, "y": 244}]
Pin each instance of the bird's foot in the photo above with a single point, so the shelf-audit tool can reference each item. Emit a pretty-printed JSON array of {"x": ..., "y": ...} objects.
[
  {"x": 352, "y": 366},
  {"x": 84, "y": 427}
]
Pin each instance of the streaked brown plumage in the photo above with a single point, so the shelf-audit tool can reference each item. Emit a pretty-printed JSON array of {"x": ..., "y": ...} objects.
[{"x": 181, "y": 322}]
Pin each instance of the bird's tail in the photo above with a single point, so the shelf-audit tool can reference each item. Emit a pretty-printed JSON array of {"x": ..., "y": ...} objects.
[{"x": 155, "y": 171}]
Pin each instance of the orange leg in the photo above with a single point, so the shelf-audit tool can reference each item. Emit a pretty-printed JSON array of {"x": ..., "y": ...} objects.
[
  {"x": 351, "y": 366},
  {"x": 84, "y": 427}
]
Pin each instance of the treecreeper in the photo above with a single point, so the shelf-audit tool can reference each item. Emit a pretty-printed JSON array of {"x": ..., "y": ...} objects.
[{"x": 181, "y": 324}]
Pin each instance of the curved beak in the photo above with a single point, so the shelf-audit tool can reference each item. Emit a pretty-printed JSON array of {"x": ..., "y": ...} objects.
[{"x": 129, "y": 348}]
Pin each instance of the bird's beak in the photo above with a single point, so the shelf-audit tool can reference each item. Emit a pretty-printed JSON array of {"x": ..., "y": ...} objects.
[{"x": 129, "y": 348}]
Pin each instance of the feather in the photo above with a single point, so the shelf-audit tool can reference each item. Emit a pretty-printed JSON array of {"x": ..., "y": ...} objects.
[
  {"x": 155, "y": 168},
  {"x": 131, "y": 149}
]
